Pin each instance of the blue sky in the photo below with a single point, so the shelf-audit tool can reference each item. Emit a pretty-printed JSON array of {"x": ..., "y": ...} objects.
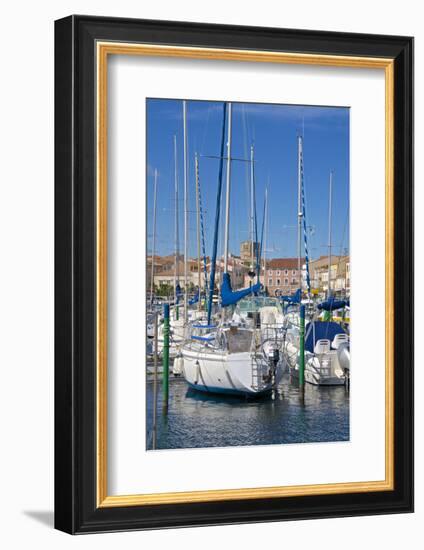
[{"x": 273, "y": 129}]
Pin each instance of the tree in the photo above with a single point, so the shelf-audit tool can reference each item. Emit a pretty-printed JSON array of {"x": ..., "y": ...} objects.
[{"x": 164, "y": 290}]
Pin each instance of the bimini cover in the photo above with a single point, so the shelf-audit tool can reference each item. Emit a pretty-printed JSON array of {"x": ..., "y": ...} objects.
[
  {"x": 320, "y": 330},
  {"x": 295, "y": 299},
  {"x": 228, "y": 297},
  {"x": 332, "y": 304},
  {"x": 195, "y": 299}
]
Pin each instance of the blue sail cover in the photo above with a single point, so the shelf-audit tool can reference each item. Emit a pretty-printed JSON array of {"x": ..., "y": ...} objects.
[
  {"x": 230, "y": 297},
  {"x": 295, "y": 299},
  {"x": 193, "y": 300},
  {"x": 319, "y": 330},
  {"x": 331, "y": 304}
]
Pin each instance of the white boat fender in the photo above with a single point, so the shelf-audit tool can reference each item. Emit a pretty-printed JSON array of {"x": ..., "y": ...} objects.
[
  {"x": 178, "y": 366},
  {"x": 343, "y": 355},
  {"x": 196, "y": 380}
]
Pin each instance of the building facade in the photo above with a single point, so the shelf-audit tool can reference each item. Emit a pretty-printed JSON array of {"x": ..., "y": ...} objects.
[
  {"x": 339, "y": 275},
  {"x": 164, "y": 273},
  {"x": 282, "y": 276},
  {"x": 246, "y": 252}
]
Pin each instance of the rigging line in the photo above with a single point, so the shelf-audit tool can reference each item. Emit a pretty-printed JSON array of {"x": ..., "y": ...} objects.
[
  {"x": 342, "y": 242},
  {"x": 246, "y": 153},
  {"x": 345, "y": 226},
  {"x": 346, "y": 221},
  {"x": 309, "y": 227},
  {"x": 205, "y": 130},
  {"x": 308, "y": 278},
  {"x": 202, "y": 232},
  {"x": 256, "y": 225},
  {"x": 225, "y": 158},
  {"x": 262, "y": 234},
  {"x": 343, "y": 236},
  {"x": 218, "y": 212}
]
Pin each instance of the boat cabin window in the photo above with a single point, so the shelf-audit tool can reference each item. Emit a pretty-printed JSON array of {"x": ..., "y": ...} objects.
[{"x": 239, "y": 341}]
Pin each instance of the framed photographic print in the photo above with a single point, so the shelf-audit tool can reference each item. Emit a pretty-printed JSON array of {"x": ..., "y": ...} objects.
[{"x": 234, "y": 274}]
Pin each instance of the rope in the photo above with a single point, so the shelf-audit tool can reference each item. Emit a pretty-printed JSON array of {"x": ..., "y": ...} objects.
[
  {"x": 255, "y": 222},
  {"x": 202, "y": 233},
  {"x": 305, "y": 239},
  {"x": 262, "y": 239}
]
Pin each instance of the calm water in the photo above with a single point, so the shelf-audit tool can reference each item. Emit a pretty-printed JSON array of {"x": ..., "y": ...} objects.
[{"x": 196, "y": 419}]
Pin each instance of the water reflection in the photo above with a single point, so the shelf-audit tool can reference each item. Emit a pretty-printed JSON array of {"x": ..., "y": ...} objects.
[{"x": 196, "y": 419}]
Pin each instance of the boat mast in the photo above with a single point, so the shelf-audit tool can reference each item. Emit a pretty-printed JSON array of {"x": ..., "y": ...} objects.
[
  {"x": 185, "y": 212},
  {"x": 266, "y": 232},
  {"x": 227, "y": 196},
  {"x": 217, "y": 215},
  {"x": 252, "y": 199},
  {"x": 196, "y": 165},
  {"x": 177, "y": 228},
  {"x": 299, "y": 206},
  {"x": 154, "y": 238},
  {"x": 329, "y": 232}
]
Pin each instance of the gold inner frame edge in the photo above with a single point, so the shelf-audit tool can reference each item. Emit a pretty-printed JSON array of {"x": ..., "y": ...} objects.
[{"x": 103, "y": 49}]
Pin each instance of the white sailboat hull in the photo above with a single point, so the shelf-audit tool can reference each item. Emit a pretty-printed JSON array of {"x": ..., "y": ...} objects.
[
  {"x": 234, "y": 373},
  {"x": 322, "y": 370}
]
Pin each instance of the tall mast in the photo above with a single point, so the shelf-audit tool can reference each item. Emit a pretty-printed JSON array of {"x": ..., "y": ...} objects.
[
  {"x": 185, "y": 212},
  {"x": 217, "y": 215},
  {"x": 329, "y": 232},
  {"x": 299, "y": 205},
  {"x": 227, "y": 197},
  {"x": 154, "y": 238},
  {"x": 252, "y": 199},
  {"x": 196, "y": 163},
  {"x": 177, "y": 228},
  {"x": 266, "y": 232}
]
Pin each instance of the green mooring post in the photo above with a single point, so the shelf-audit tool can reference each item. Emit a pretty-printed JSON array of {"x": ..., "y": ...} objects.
[
  {"x": 165, "y": 356},
  {"x": 302, "y": 348}
]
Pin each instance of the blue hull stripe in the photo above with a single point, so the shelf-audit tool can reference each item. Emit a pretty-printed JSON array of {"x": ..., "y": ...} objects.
[{"x": 227, "y": 391}]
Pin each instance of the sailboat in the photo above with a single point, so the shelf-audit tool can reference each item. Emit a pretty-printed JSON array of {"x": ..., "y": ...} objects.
[
  {"x": 227, "y": 358},
  {"x": 326, "y": 345},
  {"x": 179, "y": 314}
]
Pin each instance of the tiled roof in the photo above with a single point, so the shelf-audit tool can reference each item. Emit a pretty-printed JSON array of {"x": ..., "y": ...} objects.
[{"x": 283, "y": 263}]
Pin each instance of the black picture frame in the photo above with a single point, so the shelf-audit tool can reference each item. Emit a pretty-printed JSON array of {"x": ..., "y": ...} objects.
[{"x": 76, "y": 510}]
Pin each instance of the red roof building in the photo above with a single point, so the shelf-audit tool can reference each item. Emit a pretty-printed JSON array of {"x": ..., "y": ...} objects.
[{"x": 282, "y": 276}]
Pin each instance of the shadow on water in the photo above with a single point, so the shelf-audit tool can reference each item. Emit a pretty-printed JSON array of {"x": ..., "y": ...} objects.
[
  {"x": 196, "y": 419},
  {"x": 219, "y": 398}
]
